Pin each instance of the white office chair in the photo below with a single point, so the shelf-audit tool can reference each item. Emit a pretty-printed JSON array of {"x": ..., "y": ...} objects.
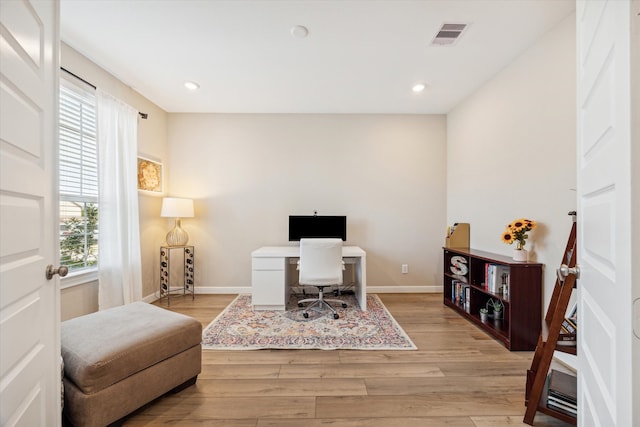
[{"x": 321, "y": 266}]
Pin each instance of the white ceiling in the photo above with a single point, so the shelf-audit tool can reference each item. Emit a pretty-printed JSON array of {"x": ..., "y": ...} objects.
[{"x": 360, "y": 56}]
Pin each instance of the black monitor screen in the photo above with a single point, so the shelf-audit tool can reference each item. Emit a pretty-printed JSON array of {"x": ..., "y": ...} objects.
[{"x": 313, "y": 226}]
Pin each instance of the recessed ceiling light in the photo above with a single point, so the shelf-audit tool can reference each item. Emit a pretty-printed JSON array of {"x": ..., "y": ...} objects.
[
  {"x": 418, "y": 87},
  {"x": 299, "y": 31},
  {"x": 191, "y": 85}
]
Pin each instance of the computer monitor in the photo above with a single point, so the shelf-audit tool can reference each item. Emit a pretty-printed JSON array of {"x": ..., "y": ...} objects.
[{"x": 316, "y": 226}]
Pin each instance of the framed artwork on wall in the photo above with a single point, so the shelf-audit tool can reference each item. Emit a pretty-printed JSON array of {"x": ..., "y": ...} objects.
[{"x": 150, "y": 175}]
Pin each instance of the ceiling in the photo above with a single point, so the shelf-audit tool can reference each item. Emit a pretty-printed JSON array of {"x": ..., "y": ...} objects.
[{"x": 359, "y": 56}]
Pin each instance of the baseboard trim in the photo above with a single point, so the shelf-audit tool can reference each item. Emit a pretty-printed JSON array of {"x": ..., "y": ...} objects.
[
  {"x": 370, "y": 289},
  {"x": 150, "y": 298},
  {"x": 174, "y": 289},
  {"x": 223, "y": 290},
  {"x": 403, "y": 289},
  {"x": 237, "y": 290}
]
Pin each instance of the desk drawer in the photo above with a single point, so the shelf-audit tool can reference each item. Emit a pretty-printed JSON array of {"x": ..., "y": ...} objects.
[{"x": 267, "y": 263}]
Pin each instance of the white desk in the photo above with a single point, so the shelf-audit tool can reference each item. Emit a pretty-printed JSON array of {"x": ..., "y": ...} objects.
[{"x": 270, "y": 281}]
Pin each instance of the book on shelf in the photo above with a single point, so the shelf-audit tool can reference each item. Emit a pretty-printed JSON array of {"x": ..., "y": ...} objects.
[
  {"x": 496, "y": 277},
  {"x": 560, "y": 398},
  {"x": 563, "y": 386},
  {"x": 486, "y": 276},
  {"x": 563, "y": 408},
  {"x": 467, "y": 297},
  {"x": 460, "y": 293},
  {"x": 562, "y": 403},
  {"x": 567, "y": 339},
  {"x": 569, "y": 326},
  {"x": 562, "y": 392},
  {"x": 573, "y": 313}
]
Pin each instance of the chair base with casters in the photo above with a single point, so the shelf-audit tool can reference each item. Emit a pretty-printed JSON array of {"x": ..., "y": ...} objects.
[{"x": 321, "y": 301}]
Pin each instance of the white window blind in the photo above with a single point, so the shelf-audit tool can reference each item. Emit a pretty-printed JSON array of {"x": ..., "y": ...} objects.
[{"x": 78, "y": 178}]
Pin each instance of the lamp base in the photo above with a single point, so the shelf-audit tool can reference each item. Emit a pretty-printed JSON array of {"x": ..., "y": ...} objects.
[{"x": 177, "y": 236}]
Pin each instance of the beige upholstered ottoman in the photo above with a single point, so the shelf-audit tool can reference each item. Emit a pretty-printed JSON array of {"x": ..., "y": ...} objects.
[{"x": 117, "y": 360}]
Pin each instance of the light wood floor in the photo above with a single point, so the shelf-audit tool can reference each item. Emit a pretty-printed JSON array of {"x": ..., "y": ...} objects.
[{"x": 458, "y": 377}]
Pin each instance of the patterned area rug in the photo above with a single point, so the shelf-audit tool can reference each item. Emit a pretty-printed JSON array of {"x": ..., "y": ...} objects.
[{"x": 240, "y": 328}]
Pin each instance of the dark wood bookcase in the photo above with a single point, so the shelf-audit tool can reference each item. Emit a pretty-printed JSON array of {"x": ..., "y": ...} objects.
[{"x": 519, "y": 327}]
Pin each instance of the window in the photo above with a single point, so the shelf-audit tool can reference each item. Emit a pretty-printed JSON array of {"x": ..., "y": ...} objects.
[{"x": 78, "y": 178}]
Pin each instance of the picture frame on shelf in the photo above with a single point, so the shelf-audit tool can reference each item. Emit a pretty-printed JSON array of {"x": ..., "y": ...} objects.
[{"x": 150, "y": 175}]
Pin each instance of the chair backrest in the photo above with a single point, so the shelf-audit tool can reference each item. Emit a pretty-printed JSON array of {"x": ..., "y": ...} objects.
[{"x": 320, "y": 262}]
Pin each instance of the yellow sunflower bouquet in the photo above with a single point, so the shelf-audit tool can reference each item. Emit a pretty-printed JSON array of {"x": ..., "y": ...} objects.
[{"x": 517, "y": 232}]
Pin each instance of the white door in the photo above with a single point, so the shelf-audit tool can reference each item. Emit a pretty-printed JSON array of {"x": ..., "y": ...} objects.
[
  {"x": 29, "y": 303},
  {"x": 605, "y": 356}
]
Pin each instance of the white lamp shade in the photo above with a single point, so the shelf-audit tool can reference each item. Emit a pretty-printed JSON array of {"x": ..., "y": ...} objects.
[{"x": 174, "y": 207}]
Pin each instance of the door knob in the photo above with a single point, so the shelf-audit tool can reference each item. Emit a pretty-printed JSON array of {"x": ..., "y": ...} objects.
[
  {"x": 565, "y": 270},
  {"x": 61, "y": 271}
]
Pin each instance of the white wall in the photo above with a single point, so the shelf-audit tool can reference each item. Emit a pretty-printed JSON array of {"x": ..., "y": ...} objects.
[
  {"x": 249, "y": 172},
  {"x": 511, "y": 152}
]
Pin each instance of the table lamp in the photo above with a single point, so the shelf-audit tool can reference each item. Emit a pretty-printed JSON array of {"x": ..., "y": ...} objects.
[{"x": 177, "y": 208}]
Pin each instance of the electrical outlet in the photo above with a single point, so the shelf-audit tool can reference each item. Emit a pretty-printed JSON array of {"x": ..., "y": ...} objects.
[{"x": 405, "y": 268}]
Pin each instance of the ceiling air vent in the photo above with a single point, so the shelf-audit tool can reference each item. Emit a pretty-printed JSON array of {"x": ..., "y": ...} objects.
[{"x": 448, "y": 35}]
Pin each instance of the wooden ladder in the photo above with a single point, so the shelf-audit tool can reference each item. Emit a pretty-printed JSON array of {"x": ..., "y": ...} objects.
[{"x": 547, "y": 342}]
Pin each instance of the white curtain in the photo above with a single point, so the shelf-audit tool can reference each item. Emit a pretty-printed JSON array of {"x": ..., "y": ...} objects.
[{"x": 119, "y": 269}]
